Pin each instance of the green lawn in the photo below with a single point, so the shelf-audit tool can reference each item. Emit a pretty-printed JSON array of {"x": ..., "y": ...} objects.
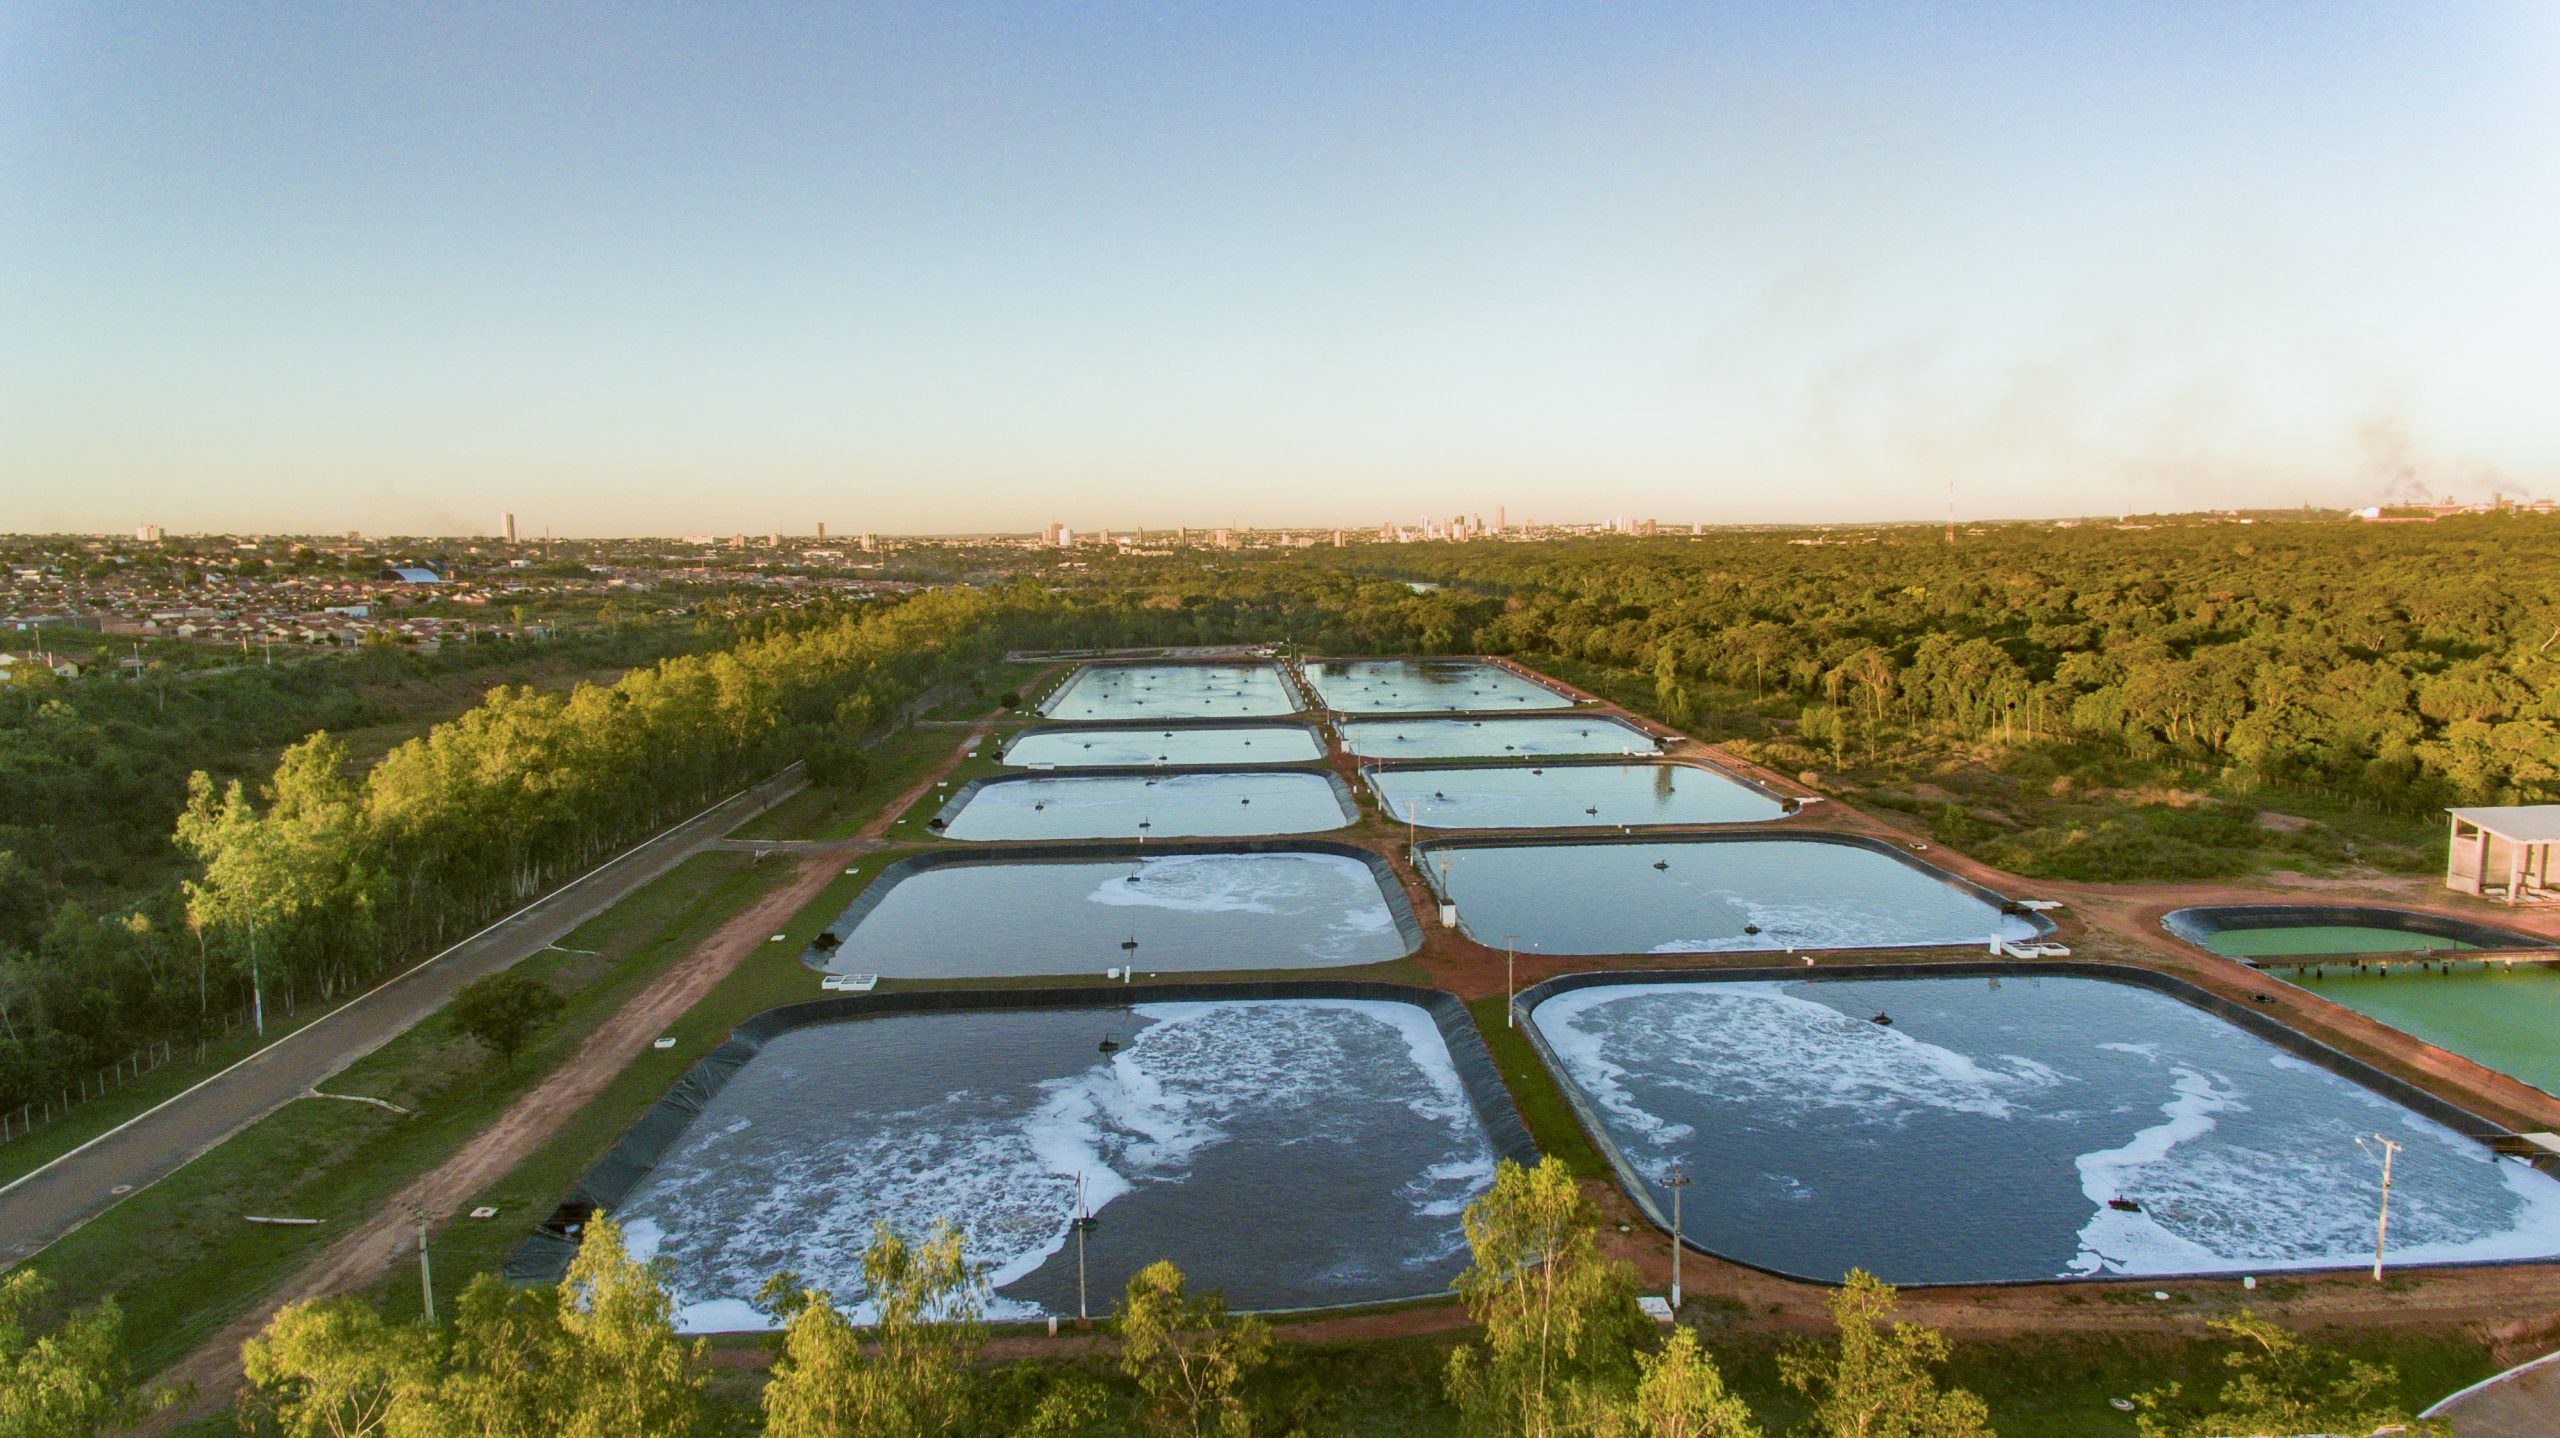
[
  {"x": 179, "y": 1256},
  {"x": 1542, "y": 1105}
]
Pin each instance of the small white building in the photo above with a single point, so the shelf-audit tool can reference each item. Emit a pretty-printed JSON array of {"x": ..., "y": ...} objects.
[{"x": 2504, "y": 852}]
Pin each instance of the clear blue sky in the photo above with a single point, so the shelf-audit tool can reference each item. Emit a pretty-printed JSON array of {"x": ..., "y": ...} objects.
[{"x": 710, "y": 267}]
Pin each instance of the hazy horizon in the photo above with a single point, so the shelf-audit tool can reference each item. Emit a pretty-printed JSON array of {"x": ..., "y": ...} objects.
[{"x": 672, "y": 271}]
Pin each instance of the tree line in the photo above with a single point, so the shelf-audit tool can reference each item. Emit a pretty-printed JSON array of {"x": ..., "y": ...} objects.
[
  {"x": 1560, "y": 1350},
  {"x": 320, "y": 879}
]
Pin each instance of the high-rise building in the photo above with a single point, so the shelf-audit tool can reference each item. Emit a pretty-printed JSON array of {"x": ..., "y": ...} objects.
[
  {"x": 822, "y": 531},
  {"x": 1338, "y": 540},
  {"x": 507, "y": 526},
  {"x": 147, "y": 533},
  {"x": 1500, "y": 521}
]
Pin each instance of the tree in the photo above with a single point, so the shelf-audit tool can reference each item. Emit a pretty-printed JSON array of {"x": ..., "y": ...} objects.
[
  {"x": 1187, "y": 1356},
  {"x": 503, "y": 1012},
  {"x": 71, "y": 1382},
  {"x": 2280, "y": 1385},
  {"x": 1874, "y": 1382},
  {"x": 630, "y": 1376},
  {"x": 1560, "y": 1322},
  {"x": 926, "y": 1301},
  {"x": 1679, "y": 1394},
  {"x": 336, "y": 1368}
]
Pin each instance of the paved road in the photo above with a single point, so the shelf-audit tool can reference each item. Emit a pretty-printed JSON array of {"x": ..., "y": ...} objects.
[{"x": 66, "y": 1193}]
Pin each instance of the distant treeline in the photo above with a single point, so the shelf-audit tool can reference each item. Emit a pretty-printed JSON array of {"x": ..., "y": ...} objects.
[{"x": 2413, "y": 665}]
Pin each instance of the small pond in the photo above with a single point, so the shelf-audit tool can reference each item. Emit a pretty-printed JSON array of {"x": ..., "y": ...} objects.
[
  {"x": 1185, "y": 912},
  {"x": 1131, "y": 806},
  {"x": 1173, "y": 691},
  {"x": 2016, "y": 1128},
  {"x": 1121, "y": 748},
  {"x": 1568, "y": 796},
  {"x": 1702, "y": 895},
  {"x": 2503, "y": 1017},
  {"x": 1422, "y": 686},
  {"x": 1288, "y": 1153},
  {"x": 1497, "y": 738}
]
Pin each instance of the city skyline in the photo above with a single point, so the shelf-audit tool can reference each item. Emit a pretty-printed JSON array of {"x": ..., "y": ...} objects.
[{"x": 679, "y": 271}]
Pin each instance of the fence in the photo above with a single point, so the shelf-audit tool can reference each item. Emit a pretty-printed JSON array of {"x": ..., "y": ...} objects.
[{"x": 39, "y": 1113}]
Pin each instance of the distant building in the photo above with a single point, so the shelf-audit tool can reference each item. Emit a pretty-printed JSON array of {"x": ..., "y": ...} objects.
[
  {"x": 507, "y": 526},
  {"x": 822, "y": 531},
  {"x": 409, "y": 574},
  {"x": 147, "y": 533}
]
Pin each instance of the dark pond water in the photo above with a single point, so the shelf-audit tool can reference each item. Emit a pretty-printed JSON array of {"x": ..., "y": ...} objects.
[
  {"x": 1288, "y": 1153},
  {"x": 1186, "y": 913},
  {"x": 1987, "y": 1132}
]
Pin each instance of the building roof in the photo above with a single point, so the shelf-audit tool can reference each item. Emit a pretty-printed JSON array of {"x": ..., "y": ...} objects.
[
  {"x": 2516, "y": 823},
  {"x": 406, "y": 575}
]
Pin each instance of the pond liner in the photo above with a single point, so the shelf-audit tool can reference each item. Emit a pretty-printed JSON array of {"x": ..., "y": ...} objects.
[
  {"x": 1370, "y": 767},
  {"x": 961, "y": 796},
  {"x": 896, "y": 871},
  {"x": 1144, "y": 726},
  {"x": 2200, "y": 924},
  {"x": 2249, "y": 1020},
  {"x": 1044, "y": 708},
  {"x": 545, "y": 1254},
  {"x": 1729, "y": 834},
  {"x": 1491, "y": 718},
  {"x": 1315, "y": 697}
]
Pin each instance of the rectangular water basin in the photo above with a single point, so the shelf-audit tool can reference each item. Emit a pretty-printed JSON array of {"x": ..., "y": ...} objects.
[
  {"x": 1569, "y": 796},
  {"x": 2500, "y": 1016},
  {"x": 1984, "y": 1129},
  {"x": 1424, "y": 686},
  {"x": 1127, "y": 748},
  {"x": 1531, "y": 737},
  {"x": 1712, "y": 895},
  {"x": 1173, "y": 691},
  {"x": 1287, "y": 1152},
  {"x": 948, "y": 916},
  {"x": 1151, "y": 806}
]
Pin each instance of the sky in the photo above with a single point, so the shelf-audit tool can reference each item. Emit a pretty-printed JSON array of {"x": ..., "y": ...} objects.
[{"x": 641, "y": 268}]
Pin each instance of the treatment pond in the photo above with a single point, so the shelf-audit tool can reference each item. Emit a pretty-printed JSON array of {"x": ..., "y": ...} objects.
[
  {"x": 1139, "y": 748},
  {"x": 1423, "y": 686},
  {"x": 1677, "y": 896},
  {"x": 1287, "y": 1153},
  {"x": 2014, "y": 1128},
  {"x": 1133, "y": 806},
  {"x": 1173, "y": 691},
  {"x": 1566, "y": 796},
  {"x": 982, "y": 918},
  {"x": 1498, "y": 738}
]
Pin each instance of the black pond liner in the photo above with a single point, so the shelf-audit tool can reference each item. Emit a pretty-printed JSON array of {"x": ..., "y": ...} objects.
[
  {"x": 1187, "y": 662},
  {"x": 1583, "y": 761},
  {"x": 1315, "y": 699},
  {"x": 1158, "y": 726},
  {"x": 1728, "y": 834},
  {"x": 2198, "y": 926},
  {"x": 545, "y": 1254},
  {"x": 961, "y": 796},
  {"x": 1051, "y": 850},
  {"x": 1493, "y": 718},
  {"x": 2310, "y": 1050}
]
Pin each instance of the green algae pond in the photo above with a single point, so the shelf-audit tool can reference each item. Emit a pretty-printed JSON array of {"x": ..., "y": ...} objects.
[{"x": 2504, "y": 1018}]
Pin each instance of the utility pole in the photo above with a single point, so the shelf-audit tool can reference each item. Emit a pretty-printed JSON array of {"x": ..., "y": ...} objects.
[
  {"x": 1679, "y": 1180},
  {"x": 1510, "y": 989},
  {"x": 2382, "y": 1222},
  {"x": 426, "y": 1274},
  {"x": 1083, "y": 1225}
]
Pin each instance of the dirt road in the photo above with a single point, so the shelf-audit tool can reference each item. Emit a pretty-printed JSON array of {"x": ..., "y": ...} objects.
[{"x": 374, "y": 1245}]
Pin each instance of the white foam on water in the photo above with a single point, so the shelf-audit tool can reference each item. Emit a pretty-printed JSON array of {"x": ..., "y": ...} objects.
[
  {"x": 2304, "y": 1196},
  {"x": 1144, "y": 1116},
  {"x": 1309, "y": 886},
  {"x": 1756, "y": 1043}
]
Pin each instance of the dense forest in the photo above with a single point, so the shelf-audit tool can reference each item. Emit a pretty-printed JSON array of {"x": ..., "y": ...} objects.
[{"x": 2091, "y": 702}]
